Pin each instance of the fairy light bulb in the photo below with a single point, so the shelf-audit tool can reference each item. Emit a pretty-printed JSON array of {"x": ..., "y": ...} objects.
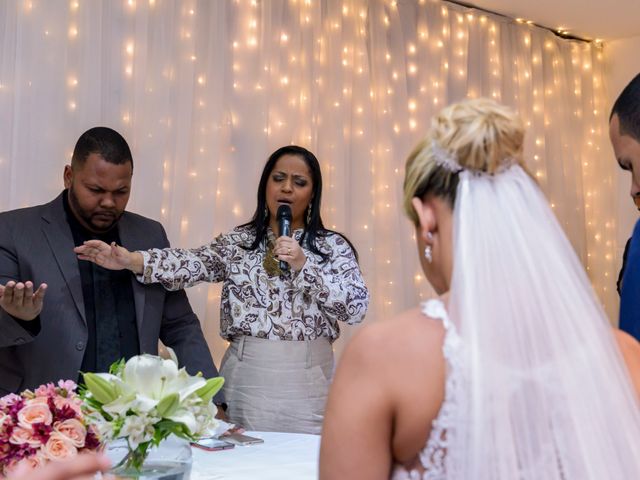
[{"x": 428, "y": 69}]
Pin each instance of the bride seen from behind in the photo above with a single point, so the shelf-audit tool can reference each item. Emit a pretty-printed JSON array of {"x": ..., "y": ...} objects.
[{"x": 514, "y": 371}]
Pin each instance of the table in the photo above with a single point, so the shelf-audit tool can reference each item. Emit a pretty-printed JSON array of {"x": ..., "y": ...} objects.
[{"x": 281, "y": 456}]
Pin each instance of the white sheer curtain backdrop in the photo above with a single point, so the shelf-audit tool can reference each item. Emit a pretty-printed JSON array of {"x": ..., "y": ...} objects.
[{"x": 205, "y": 90}]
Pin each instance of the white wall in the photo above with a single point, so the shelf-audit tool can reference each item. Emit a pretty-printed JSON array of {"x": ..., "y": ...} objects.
[{"x": 622, "y": 64}]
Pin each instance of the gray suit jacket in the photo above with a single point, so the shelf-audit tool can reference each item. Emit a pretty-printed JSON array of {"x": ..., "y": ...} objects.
[{"x": 36, "y": 244}]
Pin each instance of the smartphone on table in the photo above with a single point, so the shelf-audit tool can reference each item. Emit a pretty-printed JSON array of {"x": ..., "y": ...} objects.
[
  {"x": 212, "y": 444},
  {"x": 241, "y": 439}
]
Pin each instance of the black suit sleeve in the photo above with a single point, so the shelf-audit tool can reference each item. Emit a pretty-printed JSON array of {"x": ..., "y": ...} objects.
[{"x": 12, "y": 330}]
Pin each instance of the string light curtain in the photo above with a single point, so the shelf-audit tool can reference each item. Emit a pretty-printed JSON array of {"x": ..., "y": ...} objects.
[{"x": 205, "y": 90}]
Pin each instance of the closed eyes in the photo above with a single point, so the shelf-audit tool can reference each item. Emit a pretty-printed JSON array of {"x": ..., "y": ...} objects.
[{"x": 299, "y": 181}]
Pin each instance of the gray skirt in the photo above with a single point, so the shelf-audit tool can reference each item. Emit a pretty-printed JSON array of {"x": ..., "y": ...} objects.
[{"x": 277, "y": 385}]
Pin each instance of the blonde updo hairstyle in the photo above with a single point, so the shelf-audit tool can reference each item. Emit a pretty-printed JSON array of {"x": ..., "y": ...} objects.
[{"x": 482, "y": 135}]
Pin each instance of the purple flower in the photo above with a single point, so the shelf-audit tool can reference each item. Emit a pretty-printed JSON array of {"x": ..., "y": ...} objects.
[
  {"x": 91, "y": 441},
  {"x": 7, "y": 431},
  {"x": 15, "y": 408},
  {"x": 65, "y": 413},
  {"x": 41, "y": 431}
]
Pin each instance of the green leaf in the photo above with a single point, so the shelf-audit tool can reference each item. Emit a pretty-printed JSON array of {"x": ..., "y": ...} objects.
[
  {"x": 210, "y": 388},
  {"x": 116, "y": 368},
  {"x": 100, "y": 388},
  {"x": 178, "y": 429},
  {"x": 92, "y": 402},
  {"x": 117, "y": 426}
]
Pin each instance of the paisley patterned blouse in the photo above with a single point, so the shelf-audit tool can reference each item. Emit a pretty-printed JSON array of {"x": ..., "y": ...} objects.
[{"x": 292, "y": 306}]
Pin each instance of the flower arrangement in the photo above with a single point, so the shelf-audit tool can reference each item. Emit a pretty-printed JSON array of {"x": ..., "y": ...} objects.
[
  {"x": 147, "y": 399},
  {"x": 43, "y": 425}
]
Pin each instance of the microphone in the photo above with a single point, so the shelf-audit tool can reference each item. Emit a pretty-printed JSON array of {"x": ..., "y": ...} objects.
[{"x": 284, "y": 225}]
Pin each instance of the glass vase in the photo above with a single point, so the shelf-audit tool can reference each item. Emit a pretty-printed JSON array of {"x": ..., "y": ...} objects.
[{"x": 171, "y": 460}]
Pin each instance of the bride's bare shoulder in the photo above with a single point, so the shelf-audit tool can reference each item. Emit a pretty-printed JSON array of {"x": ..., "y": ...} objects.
[{"x": 410, "y": 333}]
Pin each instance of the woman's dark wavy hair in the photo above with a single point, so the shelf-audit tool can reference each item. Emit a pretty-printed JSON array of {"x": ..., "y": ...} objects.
[{"x": 314, "y": 228}]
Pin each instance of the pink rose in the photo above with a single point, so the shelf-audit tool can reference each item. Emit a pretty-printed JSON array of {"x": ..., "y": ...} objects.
[
  {"x": 3, "y": 417},
  {"x": 73, "y": 430},
  {"x": 34, "y": 413},
  {"x": 59, "y": 447},
  {"x": 38, "y": 401},
  {"x": 21, "y": 435}
]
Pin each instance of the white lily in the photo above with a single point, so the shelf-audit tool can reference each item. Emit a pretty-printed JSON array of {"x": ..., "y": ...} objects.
[{"x": 154, "y": 378}]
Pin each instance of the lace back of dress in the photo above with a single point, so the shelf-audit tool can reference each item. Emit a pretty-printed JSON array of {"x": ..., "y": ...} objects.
[{"x": 432, "y": 457}]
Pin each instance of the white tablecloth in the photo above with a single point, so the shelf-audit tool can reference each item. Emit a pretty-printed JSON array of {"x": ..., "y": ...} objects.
[{"x": 282, "y": 456}]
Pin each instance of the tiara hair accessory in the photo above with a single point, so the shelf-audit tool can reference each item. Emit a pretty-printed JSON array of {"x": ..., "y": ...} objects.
[
  {"x": 449, "y": 161},
  {"x": 445, "y": 159}
]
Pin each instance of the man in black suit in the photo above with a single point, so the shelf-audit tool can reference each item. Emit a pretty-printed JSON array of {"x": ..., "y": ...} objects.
[{"x": 90, "y": 316}]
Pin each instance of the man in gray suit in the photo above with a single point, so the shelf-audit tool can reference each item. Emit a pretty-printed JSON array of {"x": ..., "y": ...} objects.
[{"x": 90, "y": 316}]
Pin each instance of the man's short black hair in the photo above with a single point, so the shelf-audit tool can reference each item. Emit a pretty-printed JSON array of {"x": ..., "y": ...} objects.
[
  {"x": 105, "y": 142},
  {"x": 627, "y": 108}
]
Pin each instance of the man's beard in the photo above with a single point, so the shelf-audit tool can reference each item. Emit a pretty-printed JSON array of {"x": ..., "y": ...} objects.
[{"x": 86, "y": 218}]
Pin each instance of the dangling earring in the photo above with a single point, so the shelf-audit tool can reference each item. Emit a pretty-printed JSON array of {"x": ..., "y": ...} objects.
[
  {"x": 428, "y": 250},
  {"x": 309, "y": 214},
  {"x": 266, "y": 213}
]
